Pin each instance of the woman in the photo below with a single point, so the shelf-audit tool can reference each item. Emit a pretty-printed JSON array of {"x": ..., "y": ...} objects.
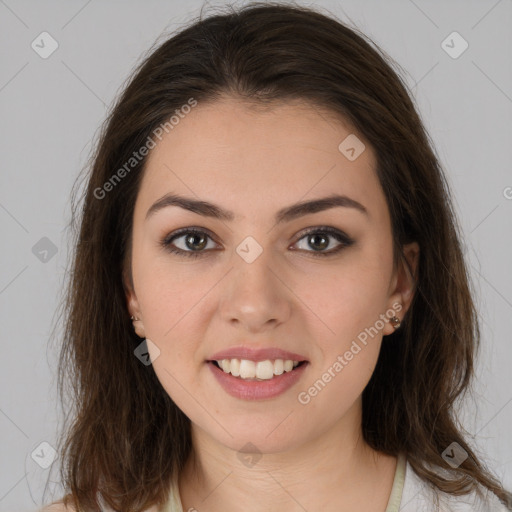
[{"x": 269, "y": 303}]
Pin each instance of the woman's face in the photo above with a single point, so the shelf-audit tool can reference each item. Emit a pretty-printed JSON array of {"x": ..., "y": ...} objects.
[{"x": 253, "y": 279}]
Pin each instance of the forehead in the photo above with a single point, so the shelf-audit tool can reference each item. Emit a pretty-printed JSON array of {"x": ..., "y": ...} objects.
[{"x": 248, "y": 159}]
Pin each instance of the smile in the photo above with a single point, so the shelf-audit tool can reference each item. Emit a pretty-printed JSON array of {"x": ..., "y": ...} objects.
[
  {"x": 256, "y": 370},
  {"x": 256, "y": 380}
]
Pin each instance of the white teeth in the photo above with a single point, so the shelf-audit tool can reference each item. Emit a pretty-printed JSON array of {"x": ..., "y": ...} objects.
[
  {"x": 265, "y": 370},
  {"x": 262, "y": 370},
  {"x": 235, "y": 367},
  {"x": 247, "y": 369}
]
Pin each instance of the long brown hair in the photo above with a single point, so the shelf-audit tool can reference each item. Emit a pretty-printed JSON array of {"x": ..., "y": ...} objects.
[{"x": 123, "y": 437}]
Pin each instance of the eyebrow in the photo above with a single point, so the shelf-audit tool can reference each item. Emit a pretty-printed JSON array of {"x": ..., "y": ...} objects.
[{"x": 286, "y": 214}]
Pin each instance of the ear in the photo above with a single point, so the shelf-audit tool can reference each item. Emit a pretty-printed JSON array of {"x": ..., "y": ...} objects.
[
  {"x": 403, "y": 284},
  {"x": 133, "y": 303}
]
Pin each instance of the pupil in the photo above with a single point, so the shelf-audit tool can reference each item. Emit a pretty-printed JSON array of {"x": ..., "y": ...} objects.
[
  {"x": 322, "y": 237},
  {"x": 190, "y": 241}
]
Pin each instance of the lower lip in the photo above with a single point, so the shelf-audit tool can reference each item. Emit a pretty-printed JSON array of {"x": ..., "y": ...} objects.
[{"x": 257, "y": 389}]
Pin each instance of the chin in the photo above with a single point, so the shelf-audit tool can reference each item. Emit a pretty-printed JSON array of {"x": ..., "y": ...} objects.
[{"x": 268, "y": 435}]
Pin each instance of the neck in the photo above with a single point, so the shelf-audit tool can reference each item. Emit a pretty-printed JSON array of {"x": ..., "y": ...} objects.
[{"x": 335, "y": 471}]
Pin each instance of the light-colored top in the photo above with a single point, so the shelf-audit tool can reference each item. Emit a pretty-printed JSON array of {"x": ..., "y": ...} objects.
[{"x": 409, "y": 493}]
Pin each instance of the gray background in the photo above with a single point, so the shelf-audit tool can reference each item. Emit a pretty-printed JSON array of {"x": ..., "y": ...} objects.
[{"x": 51, "y": 109}]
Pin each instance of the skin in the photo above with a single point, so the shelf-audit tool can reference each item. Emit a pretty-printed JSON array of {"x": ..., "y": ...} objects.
[{"x": 255, "y": 162}]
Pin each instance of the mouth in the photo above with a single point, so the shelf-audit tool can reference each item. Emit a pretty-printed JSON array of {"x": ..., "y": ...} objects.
[
  {"x": 248, "y": 370},
  {"x": 257, "y": 380}
]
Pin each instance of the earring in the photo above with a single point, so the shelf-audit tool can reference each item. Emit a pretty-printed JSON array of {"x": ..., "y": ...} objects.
[
  {"x": 395, "y": 322},
  {"x": 138, "y": 327}
]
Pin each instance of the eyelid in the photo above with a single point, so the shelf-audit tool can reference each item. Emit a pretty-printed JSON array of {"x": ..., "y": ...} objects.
[
  {"x": 166, "y": 241},
  {"x": 341, "y": 237},
  {"x": 322, "y": 229},
  {"x": 189, "y": 229}
]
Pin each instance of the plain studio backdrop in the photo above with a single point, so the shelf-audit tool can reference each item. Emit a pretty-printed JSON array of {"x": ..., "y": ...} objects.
[{"x": 62, "y": 65}]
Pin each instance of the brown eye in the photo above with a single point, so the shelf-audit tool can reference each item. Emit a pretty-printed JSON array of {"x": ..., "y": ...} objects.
[
  {"x": 319, "y": 239},
  {"x": 188, "y": 242},
  {"x": 195, "y": 241}
]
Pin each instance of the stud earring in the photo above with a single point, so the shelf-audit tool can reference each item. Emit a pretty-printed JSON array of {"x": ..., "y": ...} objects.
[
  {"x": 138, "y": 327},
  {"x": 395, "y": 322}
]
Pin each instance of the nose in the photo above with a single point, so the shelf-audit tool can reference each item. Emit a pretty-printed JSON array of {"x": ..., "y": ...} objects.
[{"x": 255, "y": 297}]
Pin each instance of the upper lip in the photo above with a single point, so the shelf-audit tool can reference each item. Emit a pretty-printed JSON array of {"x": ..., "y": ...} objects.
[{"x": 256, "y": 354}]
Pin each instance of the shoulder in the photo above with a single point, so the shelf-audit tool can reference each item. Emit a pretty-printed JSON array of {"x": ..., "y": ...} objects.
[{"x": 419, "y": 496}]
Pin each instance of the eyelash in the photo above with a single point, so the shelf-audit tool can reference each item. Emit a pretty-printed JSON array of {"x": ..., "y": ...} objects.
[{"x": 341, "y": 237}]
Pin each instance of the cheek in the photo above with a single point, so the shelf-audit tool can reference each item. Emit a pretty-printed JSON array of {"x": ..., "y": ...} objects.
[
  {"x": 170, "y": 306},
  {"x": 346, "y": 299},
  {"x": 166, "y": 290},
  {"x": 167, "y": 302}
]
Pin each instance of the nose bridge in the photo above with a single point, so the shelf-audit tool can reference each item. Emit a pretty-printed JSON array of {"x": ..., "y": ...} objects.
[
  {"x": 253, "y": 268},
  {"x": 254, "y": 295}
]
